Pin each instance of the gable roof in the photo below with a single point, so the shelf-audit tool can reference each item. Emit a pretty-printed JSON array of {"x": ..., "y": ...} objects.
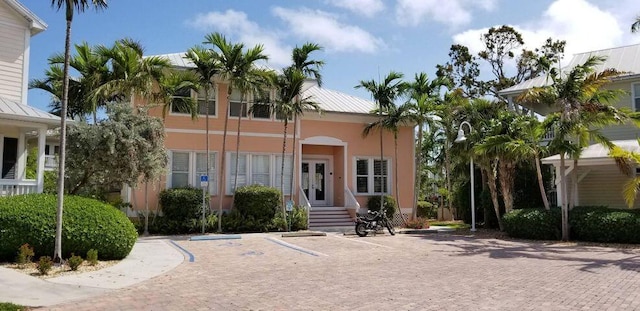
[
  {"x": 13, "y": 110},
  {"x": 328, "y": 100},
  {"x": 37, "y": 25},
  {"x": 624, "y": 58}
]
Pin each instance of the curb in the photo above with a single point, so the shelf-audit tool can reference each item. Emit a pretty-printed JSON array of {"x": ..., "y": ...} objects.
[{"x": 302, "y": 234}]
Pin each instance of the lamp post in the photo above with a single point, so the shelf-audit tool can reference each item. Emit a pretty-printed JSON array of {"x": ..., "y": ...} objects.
[{"x": 461, "y": 137}]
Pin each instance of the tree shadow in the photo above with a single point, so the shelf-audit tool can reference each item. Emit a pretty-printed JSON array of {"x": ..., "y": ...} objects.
[{"x": 588, "y": 258}]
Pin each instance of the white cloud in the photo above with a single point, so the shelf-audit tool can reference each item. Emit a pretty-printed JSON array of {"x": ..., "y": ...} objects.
[
  {"x": 452, "y": 12},
  {"x": 325, "y": 29},
  {"x": 368, "y": 8},
  {"x": 237, "y": 24},
  {"x": 583, "y": 25}
]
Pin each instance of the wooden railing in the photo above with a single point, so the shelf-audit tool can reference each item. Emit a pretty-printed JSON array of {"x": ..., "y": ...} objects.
[{"x": 16, "y": 187}]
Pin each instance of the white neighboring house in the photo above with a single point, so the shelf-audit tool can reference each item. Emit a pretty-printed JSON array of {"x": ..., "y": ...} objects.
[
  {"x": 600, "y": 182},
  {"x": 18, "y": 121}
]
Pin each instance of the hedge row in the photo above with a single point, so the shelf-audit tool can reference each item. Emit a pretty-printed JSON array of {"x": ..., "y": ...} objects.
[{"x": 587, "y": 223}]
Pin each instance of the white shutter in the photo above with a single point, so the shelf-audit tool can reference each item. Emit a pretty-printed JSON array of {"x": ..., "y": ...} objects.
[
  {"x": 242, "y": 172},
  {"x": 201, "y": 170},
  {"x": 260, "y": 170},
  {"x": 287, "y": 173},
  {"x": 179, "y": 169}
]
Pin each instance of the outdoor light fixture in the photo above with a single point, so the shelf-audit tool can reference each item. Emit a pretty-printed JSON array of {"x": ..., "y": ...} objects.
[{"x": 461, "y": 137}]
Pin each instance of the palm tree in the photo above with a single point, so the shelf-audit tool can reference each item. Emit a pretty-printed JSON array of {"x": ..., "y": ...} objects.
[
  {"x": 581, "y": 103},
  {"x": 70, "y": 6},
  {"x": 206, "y": 67},
  {"x": 423, "y": 97},
  {"x": 309, "y": 68},
  {"x": 77, "y": 106},
  {"x": 175, "y": 82},
  {"x": 391, "y": 121},
  {"x": 384, "y": 94}
]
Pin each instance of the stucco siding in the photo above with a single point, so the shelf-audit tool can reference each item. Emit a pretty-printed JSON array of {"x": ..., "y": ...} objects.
[{"x": 602, "y": 186}]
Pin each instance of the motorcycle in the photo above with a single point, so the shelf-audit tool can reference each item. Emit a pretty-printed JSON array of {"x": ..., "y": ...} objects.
[{"x": 374, "y": 221}]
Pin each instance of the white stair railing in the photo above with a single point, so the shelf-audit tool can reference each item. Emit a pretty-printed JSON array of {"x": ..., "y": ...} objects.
[
  {"x": 304, "y": 202},
  {"x": 16, "y": 187},
  {"x": 350, "y": 201}
]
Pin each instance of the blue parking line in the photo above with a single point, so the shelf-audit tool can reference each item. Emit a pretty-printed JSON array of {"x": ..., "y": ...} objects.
[
  {"x": 192, "y": 258},
  {"x": 296, "y": 248}
]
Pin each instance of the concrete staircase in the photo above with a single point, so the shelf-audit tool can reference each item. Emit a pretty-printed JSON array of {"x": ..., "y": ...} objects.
[{"x": 330, "y": 219}]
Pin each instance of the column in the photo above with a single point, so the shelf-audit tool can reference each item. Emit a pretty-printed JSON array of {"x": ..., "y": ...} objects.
[{"x": 42, "y": 138}]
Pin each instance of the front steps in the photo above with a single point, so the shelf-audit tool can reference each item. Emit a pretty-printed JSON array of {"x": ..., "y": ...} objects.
[{"x": 330, "y": 219}]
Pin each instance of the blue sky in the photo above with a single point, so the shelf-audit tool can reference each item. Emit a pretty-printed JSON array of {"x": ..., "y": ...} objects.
[{"x": 362, "y": 38}]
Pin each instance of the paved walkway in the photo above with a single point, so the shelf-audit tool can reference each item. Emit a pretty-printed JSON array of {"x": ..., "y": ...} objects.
[
  {"x": 148, "y": 258},
  {"x": 405, "y": 272}
]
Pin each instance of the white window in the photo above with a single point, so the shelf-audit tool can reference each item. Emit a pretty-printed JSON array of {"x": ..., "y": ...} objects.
[
  {"x": 180, "y": 163},
  {"x": 202, "y": 107},
  {"x": 371, "y": 176},
  {"x": 287, "y": 173},
  {"x": 636, "y": 97},
  {"x": 181, "y": 95},
  {"x": 201, "y": 169},
  {"x": 187, "y": 167},
  {"x": 237, "y": 103},
  {"x": 260, "y": 169},
  {"x": 261, "y": 108}
]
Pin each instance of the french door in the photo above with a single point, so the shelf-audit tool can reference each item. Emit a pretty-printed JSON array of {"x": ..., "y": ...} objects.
[{"x": 314, "y": 181}]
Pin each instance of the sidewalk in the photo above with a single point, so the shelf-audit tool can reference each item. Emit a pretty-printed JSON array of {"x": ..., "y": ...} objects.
[{"x": 148, "y": 258}]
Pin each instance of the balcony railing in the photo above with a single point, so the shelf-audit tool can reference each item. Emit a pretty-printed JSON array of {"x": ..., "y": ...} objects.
[{"x": 16, "y": 187}]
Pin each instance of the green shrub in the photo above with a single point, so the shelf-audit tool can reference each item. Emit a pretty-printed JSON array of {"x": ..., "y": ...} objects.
[
  {"x": 418, "y": 223},
  {"x": 92, "y": 257},
  {"x": 25, "y": 253},
  {"x": 165, "y": 225},
  {"x": 7, "y": 306},
  {"x": 298, "y": 220},
  {"x": 256, "y": 207},
  {"x": 389, "y": 202},
  {"x": 534, "y": 223},
  {"x": 44, "y": 265},
  {"x": 601, "y": 224},
  {"x": 74, "y": 262},
  {"x": 427, "y": 210},
  {"x": 87, "y": 224},
  {"x": 181, "y": 204}
]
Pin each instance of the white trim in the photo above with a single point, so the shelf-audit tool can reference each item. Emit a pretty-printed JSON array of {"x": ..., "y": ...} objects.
[
  {"x": 274, "y": 166},
  {"x": 194, "y": 96},
  {"x": 371, "y": 175},
  {"x": 231, "y": 133},
  {"x": 323, "y": 140},
  {"x": 21, "y": 161}
]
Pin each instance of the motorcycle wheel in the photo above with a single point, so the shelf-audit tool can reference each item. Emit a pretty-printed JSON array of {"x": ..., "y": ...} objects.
[
  {"x": 392, "y": 231},
  {"x": 361, "y": 229}
]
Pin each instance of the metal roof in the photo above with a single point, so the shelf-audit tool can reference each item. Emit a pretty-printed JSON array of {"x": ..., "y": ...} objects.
[
  {"x": 598, "y": 151},
  {"x": 37, "y": 24},
  {"x": 329, "y": 100},
  {"x": 13, "y": 110},
  {"x": 334, "y": 101},
  {"x": 624, "y": 58}
]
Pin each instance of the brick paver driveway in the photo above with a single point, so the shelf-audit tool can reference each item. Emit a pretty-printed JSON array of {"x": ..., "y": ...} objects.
[{"x": 432, "y": 272}]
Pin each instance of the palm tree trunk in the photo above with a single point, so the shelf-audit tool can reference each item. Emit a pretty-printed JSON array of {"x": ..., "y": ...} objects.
[
  {"x": 395, "y": 142},
  {"x": 506, "y": 176},
  {"x": 574, "y": 185},
  {"x": 284, "y": 150},
  {"x": 235, "y": 181},
  {"x": 543, "y": 192},
  {"x": 447, "y": 168},
  {"x": 565, "y": 210},
  {"x": 418, "y": 185},
  {"x": 293, "y": 154},
  {"x": 57, "y": 251},
  {"x": 485, "y": 181},
  {"x": 208, "y": 153},
  {"x": 494, "y": 194},
  {"x": 381, "y": 165},
  {"x": 146, "y": 208},
  {"x": 222, "y": 165}
]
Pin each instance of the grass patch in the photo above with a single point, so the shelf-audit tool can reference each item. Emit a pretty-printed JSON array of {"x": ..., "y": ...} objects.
[
  {"x": 7, "y": 306},
  {"x": 450, "y": 224}
]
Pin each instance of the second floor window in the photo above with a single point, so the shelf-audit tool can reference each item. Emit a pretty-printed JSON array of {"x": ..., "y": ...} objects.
[
  {"x": 200, "y": 98},
  {"x": 202, "y": 108},
  {"x": 236, "y": 108}
]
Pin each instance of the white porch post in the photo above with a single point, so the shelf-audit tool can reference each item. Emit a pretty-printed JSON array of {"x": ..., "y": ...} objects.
[
  {"x": 557, "y": 182},
  {"x": 42, "y": 135},
  {"x": 22, "y": 156}
]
